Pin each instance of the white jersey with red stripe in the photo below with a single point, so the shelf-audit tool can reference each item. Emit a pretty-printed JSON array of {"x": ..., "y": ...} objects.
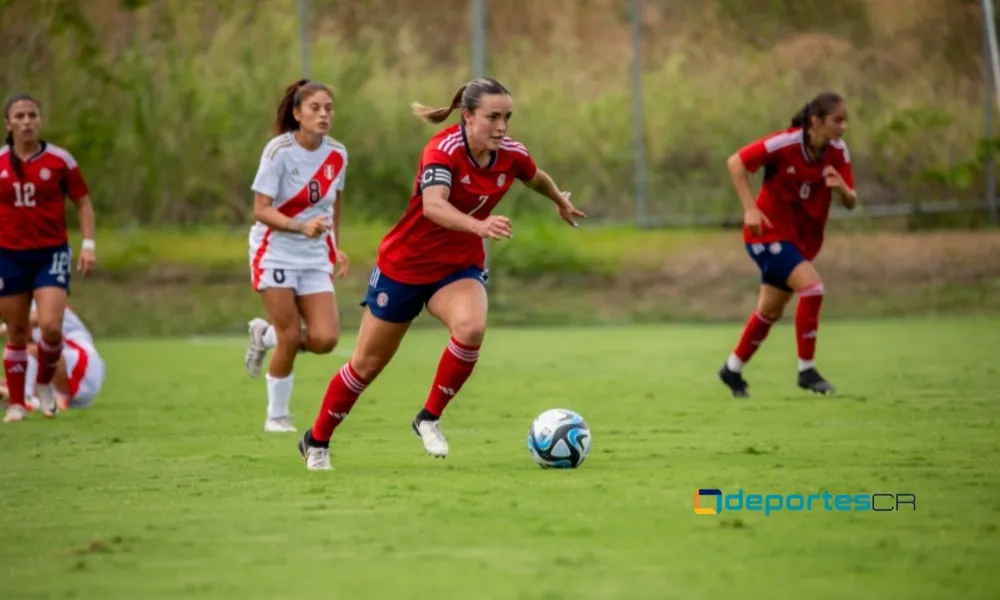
[{"x": 303, "y": 184}]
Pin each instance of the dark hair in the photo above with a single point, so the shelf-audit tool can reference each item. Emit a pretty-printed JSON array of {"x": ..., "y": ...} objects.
[
  {"x": 15, "y": 160},
  {"x": 292, "y": 99},
  {"x": 468, "y": 97},
  {"x": 820, "y": 106}
]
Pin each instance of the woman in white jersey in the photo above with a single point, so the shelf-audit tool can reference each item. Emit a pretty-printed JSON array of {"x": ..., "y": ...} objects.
[{"x": 294, "y": 250}]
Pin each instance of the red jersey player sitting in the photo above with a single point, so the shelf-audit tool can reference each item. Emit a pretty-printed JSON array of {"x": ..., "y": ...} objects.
[
  {"x": 434, "y": 256},
  {"x": 35, "y": 178},
  {"x": 783, "y": 230}
]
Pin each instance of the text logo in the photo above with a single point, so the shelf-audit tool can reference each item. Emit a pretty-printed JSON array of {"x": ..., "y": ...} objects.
[{"x": 711, "y": 501}]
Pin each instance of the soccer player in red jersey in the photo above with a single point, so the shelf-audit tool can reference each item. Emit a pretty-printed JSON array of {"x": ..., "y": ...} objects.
[
  {"x": 434, "y": 257},
  {"x": 35, "y": 178},
  {"x": 783, "y": 230}
]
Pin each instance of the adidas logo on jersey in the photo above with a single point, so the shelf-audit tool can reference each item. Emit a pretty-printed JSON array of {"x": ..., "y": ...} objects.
[
  {"x": 4, "y": 174},
  {"x": 465, "y": 179}
]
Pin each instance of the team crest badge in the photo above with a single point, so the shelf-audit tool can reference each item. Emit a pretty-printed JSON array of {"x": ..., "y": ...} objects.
[
  {"x": 382, "y": 299},
  {"x": 45, "y": 174},
  {"x": 328, "y": 171},
  {"x": 501, "y": 180}
]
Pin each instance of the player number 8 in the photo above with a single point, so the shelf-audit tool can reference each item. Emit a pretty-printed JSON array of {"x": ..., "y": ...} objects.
[
  {"x": 804, "y": 190},
  {"x": 313, "y": 192}
]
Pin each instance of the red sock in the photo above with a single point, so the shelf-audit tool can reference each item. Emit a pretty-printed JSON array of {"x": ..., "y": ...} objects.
[
  {"x": 15, "y": 367},
  {"x": 754, "y": 333},
  {"x": 48, "y": 359},
  {"x": 807, "y": 320},
  {"x": 340, "y": 396},
  {"x": 454, "y": 368}
]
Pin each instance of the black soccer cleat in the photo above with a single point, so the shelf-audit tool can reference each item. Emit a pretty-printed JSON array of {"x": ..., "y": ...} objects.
[
  {"x": 735, "y": 382},
  {"x": 811, "y": 380}
]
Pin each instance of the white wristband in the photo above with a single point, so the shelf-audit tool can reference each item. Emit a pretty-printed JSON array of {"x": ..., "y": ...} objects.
[{"x": 87, "y": 245}]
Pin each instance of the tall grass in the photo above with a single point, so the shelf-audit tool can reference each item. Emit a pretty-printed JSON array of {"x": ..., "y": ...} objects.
[{"x": 167, "y": 104}]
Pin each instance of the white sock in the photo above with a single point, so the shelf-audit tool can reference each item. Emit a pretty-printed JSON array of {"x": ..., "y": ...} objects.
[
  {"x": 806, "y": 364},
  {"x": 30, "y": 377},
  {"x": 734, "y": 364},
  {"x": 270, "y": 338},
  {"x": 279, "y": 395}
]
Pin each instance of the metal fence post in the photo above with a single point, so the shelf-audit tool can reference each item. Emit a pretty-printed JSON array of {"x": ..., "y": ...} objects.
[
  {"x": 304, "y": 37},
  {"x": 642, "y": 208},
  {"x": 479, "y": 67},
  {"x": 991, "y": 65}
]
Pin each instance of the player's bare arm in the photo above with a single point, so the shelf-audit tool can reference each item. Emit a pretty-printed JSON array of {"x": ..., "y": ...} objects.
[
  {"x": 343, "y": 261},
  {"x": 543, "y": 184},
  {"x": 264, "y": 211},
  {"x": 848, "y": 197},
  {"x": 438, "y": 209},
  {"x": 85, "y": 214},
  {"x": 752, "y": 216}
]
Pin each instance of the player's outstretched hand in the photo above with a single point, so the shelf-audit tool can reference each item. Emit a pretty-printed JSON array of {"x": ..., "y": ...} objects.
[
  {"x": 567, "y": 211},
  {"x": 495, "y": 227},
  {"x": 87, "y": 261},
  {"x": 753, "y": 218},
  {"x": 833, "y": 178},
  {"x": 343, "y": 264},
  {"x": 315, "y": 227}
]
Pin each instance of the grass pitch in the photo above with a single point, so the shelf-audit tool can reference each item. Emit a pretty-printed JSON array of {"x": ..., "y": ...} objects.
[{"x": 168, "y": 487}]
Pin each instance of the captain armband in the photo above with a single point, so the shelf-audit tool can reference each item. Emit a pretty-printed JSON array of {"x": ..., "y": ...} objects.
[{"x": 435, "y": 175}]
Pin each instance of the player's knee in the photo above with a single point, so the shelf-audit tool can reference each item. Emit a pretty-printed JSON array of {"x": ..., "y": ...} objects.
[
  {"x": 51, "y": 332},
  {"x": 770, "y": 313},
  {"x": 288, "y": 337},
  {"x": 323, "y": 342},
  {"x": 368, "y": 366},
  {"x": 468, "y": 330}
]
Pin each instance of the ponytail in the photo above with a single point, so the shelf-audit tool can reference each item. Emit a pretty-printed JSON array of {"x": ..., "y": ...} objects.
[
  {"x": 15, "y": 160},
  {"x": 801, "y": 119},
  {"x": 437, "y": 115},
  {"x": 285, "y": 118}
]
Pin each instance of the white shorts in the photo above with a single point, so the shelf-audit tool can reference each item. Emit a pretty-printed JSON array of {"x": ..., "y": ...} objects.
[
  {"x": 303, "y": 281},
  {"x": 85, "y": 368}
]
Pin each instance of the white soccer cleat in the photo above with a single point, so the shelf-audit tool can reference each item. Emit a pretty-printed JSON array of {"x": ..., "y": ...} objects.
[
  {"x": 46, "y": 400},
  {"x": 257, "y": 350},
  {"x": 317, "y": 458},
  {"x": 15, "y": 412},
  {"x": 430, "y": 433},
  {"x": 279, "y": 425}
]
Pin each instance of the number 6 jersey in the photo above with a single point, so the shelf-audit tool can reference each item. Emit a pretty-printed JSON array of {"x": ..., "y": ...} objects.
[
  {"x": 304, "y": 185},
  {"x": 419, "y": 251},
  {"x": 794, "y": 196}
]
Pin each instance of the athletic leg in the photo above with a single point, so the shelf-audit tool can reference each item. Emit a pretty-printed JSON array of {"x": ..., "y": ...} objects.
[
  {"x": 462, "y": 306},
  {"x": 16, "y": 309},
  {"x": 50, "y": 304},
  {"x": 808, "y": 284},
  {"x": 390, "y": 307},
  {"x": 283, "y": 312}
]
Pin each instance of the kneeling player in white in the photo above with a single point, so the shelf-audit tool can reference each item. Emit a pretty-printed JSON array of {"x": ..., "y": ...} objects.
[
  {"x": 79, "y": 374},
  {"x": 293, "y": 243}
]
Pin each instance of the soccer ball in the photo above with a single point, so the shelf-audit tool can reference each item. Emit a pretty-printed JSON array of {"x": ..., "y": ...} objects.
[{"x": 559, "y": 438}]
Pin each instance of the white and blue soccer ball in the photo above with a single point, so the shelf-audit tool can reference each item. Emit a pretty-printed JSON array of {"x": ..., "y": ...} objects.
[{"x": 559, "y": 439}]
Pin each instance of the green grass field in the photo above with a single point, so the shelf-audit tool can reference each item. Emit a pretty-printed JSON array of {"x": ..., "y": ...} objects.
[{"x": 168, "y": 487}]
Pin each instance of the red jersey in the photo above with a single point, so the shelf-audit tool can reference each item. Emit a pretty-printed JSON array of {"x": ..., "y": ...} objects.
[
  {"x": 417, "y": 250},
  {"x": 33, "y": 207},
  {"x": 794, "y": 196}
]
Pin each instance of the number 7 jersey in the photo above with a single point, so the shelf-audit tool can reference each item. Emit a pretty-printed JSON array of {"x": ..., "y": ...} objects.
[
  {"x": 304, "y": 185},
  {"x": 419, "y": 251}
]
